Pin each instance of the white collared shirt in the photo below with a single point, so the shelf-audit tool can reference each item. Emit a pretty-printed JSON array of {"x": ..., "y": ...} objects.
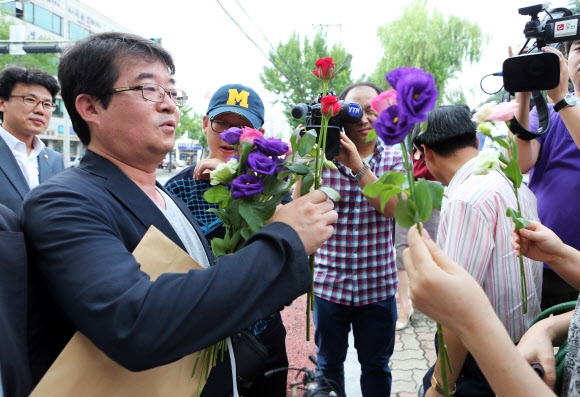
[{"x": 28, "y": 163}]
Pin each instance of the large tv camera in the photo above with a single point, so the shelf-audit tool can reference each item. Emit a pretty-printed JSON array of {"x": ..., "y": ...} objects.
[
  {"x": 350, "y": 112},
  {"x": 536, "y": 70}
]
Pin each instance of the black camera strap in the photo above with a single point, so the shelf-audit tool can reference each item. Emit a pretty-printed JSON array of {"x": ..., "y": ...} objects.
[{"x": 543, "y": 119}]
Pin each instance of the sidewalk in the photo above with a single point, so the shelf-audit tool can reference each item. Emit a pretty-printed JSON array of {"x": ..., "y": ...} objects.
[{"x": 414, "y": 352}]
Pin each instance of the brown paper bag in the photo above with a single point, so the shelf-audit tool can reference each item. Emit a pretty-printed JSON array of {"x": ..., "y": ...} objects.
[{"x": 83, "y": 370}]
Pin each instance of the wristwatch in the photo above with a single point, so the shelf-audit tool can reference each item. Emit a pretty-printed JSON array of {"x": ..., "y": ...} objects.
[
  {"x": 362, "y": 171},
  {"x": 569, "y": 100}
]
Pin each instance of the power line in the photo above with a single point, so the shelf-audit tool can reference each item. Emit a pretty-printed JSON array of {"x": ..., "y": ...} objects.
[
  {"x": 267, "y": 57},
  {"x": 271, "y": 46}
]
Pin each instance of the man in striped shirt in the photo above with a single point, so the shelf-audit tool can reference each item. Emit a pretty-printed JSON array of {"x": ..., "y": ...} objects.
[{"x": 475, "y": 232}]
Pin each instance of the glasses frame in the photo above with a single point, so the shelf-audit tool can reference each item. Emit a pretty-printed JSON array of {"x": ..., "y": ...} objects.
[
  {"x": 227, "y": 122},
  {"x": 46, "y": 105},
  {"x": 142, "y": 88}
]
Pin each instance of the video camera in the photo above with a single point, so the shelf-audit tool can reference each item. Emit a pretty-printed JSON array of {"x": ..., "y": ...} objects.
[
  {"x": 536, "y": 70},
  {"x": 350, "y": 112}
]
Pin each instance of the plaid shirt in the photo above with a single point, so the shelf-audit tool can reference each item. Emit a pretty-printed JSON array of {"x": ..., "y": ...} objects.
[{"x": 356, "y": 266}]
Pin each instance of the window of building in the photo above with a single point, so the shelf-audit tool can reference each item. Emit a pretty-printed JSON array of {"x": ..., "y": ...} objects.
[
  {"x": 43, "y": 18},
  {"x": 59, "y": 111},
  {"x": 76, "y": 32},
  {"x": 8, "y": 8}
]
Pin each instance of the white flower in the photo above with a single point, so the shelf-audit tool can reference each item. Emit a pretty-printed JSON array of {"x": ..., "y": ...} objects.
[
  {"x": 224, "y": 172},
  {"x": 486, "y": 161},
  {"x": 483, "y": 112}
]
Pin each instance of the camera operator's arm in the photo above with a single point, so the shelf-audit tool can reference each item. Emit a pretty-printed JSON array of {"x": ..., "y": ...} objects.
[
  {"x": 350, "y": 157},
  {"x": 570, "y": 114},
  {"x": 528, "y": 151}
]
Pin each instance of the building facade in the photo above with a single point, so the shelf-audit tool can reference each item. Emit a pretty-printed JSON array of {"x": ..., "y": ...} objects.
[{"x": 61, "y": 22}]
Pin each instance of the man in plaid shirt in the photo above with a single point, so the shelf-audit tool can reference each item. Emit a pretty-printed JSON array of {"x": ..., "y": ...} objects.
[{"x": 355, "y": 276}]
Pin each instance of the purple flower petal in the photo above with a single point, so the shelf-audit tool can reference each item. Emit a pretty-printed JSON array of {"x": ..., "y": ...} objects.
[
  {"x": 392, "y": 126},
  {"x": 394, "y": 75},
  {"x": 261, "y": 164},
  {"x": 246, "y": 185},
  {"x": 271, "y": 146},
  {"x": 231, "y": 136}
]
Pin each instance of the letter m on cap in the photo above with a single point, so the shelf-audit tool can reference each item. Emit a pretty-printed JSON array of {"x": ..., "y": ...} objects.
[{"x": 238, "y": 98}]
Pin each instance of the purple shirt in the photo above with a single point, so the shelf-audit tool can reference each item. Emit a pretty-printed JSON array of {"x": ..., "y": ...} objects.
[{"x": 555, "y": 179}]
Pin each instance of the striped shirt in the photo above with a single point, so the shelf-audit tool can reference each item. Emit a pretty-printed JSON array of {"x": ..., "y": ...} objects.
[
  {"x": 356, "y": 266},
  {"x": 476, "y": 233}
]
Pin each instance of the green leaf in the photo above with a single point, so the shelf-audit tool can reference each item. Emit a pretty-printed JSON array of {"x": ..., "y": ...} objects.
[
  {"x": 253, "y": 215},
  {"x": 307, "y": 142},
  {"x": 503, "y": 158},
  {"x": 501, "y": 142},
  {"x": 519, "y": 221},
  {"x": 345, "y": 64},
  {"x": 330, "y": 164},
  {"x": 436, "y": 189},
  {"x": 423, "y": 200},
  {"x": 307, "y": 183},
  {"x": 405, "y": 213},
  {"x": 513, "y": 173},
  {"x": 216, "y": 194},
  {"x": 330, "y": 192},
  {"x": 371, "y": 136},
  {"x": 219, "y": 247},
  {"x": 300, "y": 169}
]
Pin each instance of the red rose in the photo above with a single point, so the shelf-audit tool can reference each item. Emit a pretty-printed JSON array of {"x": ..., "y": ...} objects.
[
  {"x": 324, "y": 69},
  {"x": 330, "y": 105}
]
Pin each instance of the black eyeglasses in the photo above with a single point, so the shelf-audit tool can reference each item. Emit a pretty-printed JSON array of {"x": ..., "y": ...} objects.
[
  {"x": 220, "y": 126},
  {"x": 156, "y": 93},
  {"x": 32, "y": 102}
]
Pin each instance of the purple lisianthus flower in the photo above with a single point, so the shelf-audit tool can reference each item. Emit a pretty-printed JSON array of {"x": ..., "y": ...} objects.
[
  {"x": 231, "y": 136},
  {"x": 246, "y": 185},
  {"x": 394, "y": 75},
  {"x": 261, "y": 163},
  {"x": 271, "y": 146},
  {"x": 416, "y": 93},
  {"x": 392, "y": 126}
]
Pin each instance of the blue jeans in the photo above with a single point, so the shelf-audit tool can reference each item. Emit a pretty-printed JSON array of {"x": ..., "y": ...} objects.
[{"x": 374, "y": 340}]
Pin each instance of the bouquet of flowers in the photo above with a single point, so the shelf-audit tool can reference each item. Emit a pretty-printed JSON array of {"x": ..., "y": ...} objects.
[
  {"x": 247, "y": 189},
  {"x": 488, "y": 117}
]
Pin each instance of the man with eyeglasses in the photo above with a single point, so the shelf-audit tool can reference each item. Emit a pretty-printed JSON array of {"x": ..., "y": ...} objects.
[
  {"x": 83, "y": 225},
  {"x": 26, "y": 104},
  {"x": 233, "y": 105}
]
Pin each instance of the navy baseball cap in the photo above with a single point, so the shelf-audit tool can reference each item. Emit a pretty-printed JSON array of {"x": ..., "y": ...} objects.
[{"x": 239, "y": 99}]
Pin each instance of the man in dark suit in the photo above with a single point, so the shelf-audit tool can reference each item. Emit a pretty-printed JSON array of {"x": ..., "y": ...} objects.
[
  {"x": 26, "y": 104},
  {"x": 14, "y": 370},
  {"x": 82, "y": 225}
]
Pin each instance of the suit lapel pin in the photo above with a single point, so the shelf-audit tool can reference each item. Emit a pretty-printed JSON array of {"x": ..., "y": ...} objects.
[{"x": 46, "y": 156}]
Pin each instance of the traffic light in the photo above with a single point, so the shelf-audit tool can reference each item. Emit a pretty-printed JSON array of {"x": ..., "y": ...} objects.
[
  {"x": 41, "y": 48},
  {"x": 156, "y": 40}
]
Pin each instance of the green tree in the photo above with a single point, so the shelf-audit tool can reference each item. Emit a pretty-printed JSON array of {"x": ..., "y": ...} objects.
[
  {"x": 574, "y": 6},
  {"x": 47, "y": 62},
  {"x": 436, "y": 43},
  {"x": 191, "y": 123},
  {"x": 291, "y": 78}
]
